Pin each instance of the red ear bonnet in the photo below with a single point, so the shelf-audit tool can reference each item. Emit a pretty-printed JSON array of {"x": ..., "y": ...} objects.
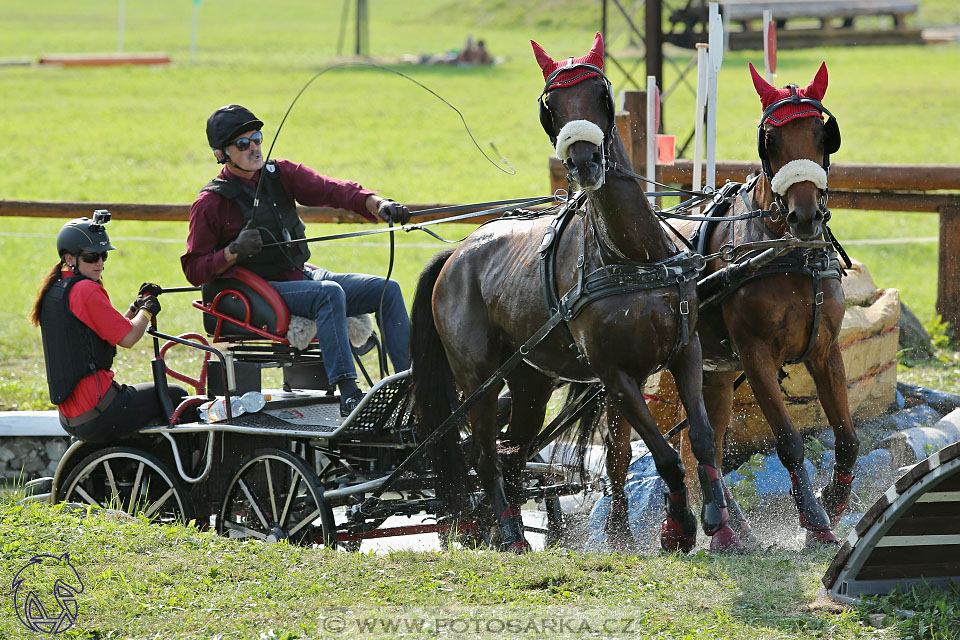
[
  {"x": 572, "y": 77},
  {"x": 770, "y": 94}
]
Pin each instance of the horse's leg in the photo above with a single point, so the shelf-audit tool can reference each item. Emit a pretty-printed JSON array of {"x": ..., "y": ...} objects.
[
  {"x": 761, "y": 370},
  {"x": 718, "y": 394},
  {"x": 474, "y": 354},
  {"x": 688, "y": 374},
  {"x": 679, "y": 528},
  {"x": 831, "y": 380},
  {"x": 617, "y": 440},
  {"x": 530, "y": 391},
  {"x": 483, "y": 420}
]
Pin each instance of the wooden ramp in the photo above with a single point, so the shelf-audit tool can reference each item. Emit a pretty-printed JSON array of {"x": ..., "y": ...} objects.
[{"x": 910, "y": 535}]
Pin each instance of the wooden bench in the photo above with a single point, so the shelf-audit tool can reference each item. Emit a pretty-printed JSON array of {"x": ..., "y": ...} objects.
[
  {"x": 800, "y": 23},
  {"x": 743, "y": 11}
]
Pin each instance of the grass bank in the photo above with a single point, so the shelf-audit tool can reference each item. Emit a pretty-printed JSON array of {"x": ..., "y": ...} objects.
[{"x": 147, "y": 581}]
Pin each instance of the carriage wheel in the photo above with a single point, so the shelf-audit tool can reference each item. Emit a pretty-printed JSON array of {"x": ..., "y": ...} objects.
[
  {"x": 274, "y": 496},
  {"x": 128, "y": 480}
]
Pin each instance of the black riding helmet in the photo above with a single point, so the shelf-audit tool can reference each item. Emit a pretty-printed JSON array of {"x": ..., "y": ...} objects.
[
  {"x": 229, "y": 121},
  {"x": 83, "y": 234}
]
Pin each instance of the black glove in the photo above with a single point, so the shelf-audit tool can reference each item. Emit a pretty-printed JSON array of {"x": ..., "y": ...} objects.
[
  {"x": 148, "y": 303},
  {"x": 390, "y": 211},
  {"x": 248, "y": 243},
  {"x": 150, "y": 288}
]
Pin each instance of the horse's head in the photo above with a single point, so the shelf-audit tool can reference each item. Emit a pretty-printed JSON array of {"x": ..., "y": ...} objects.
[
  {"x": 794, "y": 145},
  {"x": 577, "y": 112}
]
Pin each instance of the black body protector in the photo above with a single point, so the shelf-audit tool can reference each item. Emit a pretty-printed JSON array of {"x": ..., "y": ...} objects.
[
  {"x": 276, "y": 218},
  {"x": 71, "y": 349}
]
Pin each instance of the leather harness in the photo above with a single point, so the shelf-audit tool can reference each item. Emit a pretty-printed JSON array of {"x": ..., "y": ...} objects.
[
  {"x": 619, "y": 277},
  {"x": 819, "y": 264}
]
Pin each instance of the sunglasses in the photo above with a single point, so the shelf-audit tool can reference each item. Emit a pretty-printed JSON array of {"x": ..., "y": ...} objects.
[
  {"x": 244, "y": 143},
  {"x": 92, "y": 258}
]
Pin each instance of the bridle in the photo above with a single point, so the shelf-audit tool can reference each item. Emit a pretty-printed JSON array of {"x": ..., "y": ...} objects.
[
  {"x": 546, "y": 117},
  {"x": 831, "y": 141}
]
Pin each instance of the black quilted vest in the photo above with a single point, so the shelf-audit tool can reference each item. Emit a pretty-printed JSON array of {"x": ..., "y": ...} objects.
[
  {"x": 71, "y": 349},
  {"x": 275, "y": 213}
]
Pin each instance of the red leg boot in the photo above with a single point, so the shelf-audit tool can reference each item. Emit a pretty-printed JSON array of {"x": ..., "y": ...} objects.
[{"x": 678, "y": 532}]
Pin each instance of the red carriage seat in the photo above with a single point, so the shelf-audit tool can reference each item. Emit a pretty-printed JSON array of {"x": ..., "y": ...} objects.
[{"x": 243, "y": 307}]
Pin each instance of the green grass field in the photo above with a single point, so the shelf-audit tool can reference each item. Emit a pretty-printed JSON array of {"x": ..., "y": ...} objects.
[{"x": 153, "y": 581}]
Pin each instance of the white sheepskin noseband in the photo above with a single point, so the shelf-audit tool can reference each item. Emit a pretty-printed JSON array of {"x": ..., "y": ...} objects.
[
  {"x": 795, "y": 171},
  {"x": 575, "y": 131}
]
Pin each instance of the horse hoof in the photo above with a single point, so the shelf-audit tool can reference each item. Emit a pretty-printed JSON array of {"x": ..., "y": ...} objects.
[
  {"x": 725, "y": 540},
  {"x": 835, "y": 512},
  {"x": 817, "y": 537},
  {"x": 672, "y": 540}
]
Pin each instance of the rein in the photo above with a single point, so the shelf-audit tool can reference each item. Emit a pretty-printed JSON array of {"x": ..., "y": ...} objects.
[{"x": 508, "y": 205}]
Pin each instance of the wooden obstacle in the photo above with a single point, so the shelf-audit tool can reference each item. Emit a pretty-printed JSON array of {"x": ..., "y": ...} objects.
[
  {"x": 103, "y": 59},
  {"x": 909, "y": 536}
]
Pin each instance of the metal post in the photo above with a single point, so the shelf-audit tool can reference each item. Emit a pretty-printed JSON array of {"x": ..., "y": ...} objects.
[
  {"x": 193, "y": 31},
  {"x": 654, "y": 39},
  {"x": 651, "y": 163},
  {"x": 767, "y": 25},
  {"x": 716, "y": 60},
  {"x": 361, "y": 23},
  {"x": 603, "y": 28},
  {"x": 120, "y": 24},
  {"x": 702, "y": 63}
]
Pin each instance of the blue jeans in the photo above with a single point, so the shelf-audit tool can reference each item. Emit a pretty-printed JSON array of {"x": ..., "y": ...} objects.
[{"x": 331, "y": 297}]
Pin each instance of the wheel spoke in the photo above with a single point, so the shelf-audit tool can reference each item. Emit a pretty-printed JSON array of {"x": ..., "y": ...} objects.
[
  {"x": 86, "y": 496},
  {"x": 306, "y": 520},
  {"x": 136, "y": 487},
  {"x": 159, "y": 503},
  {"x": 250, "y": 533},
  {"x": 254, "y": 504},
  {"x": 273, "y": 497},
  {"x": 111, "y": 481},
  {"x": 294, "y": 487}
]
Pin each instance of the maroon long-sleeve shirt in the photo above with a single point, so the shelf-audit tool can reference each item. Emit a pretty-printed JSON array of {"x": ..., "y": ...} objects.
[{"x": 216, "y": 221}]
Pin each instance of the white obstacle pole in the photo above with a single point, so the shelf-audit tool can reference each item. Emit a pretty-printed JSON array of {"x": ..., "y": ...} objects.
[
  {"x": 702, "y": 63},
  {"x": 193, "y": 31},
  {"x": 652, "y": 106},
  {"x": 120, "y": 25},
  {"x": 716, "y": 60},
  {"x": 767, "y": 24}
]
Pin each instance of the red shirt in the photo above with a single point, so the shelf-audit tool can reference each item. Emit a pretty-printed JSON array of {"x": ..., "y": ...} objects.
[
  {"x": 216, "y": 221},
  {"x": 91, "y": 304}
]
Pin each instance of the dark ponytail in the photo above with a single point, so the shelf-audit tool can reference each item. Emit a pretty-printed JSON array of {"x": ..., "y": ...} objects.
[{"x": 52, "y": 278}]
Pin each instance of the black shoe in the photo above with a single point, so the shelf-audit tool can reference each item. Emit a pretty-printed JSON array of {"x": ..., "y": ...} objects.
[{"x": 349, "y": 404}]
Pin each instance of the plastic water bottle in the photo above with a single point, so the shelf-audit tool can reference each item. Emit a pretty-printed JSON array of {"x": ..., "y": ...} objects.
[
  {"x": 252, "y": 401},
  {"x": 216, "y": 410}
]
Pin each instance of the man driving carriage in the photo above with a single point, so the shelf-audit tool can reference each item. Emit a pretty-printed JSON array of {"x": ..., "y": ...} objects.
[{"x": 227, "y": 230}]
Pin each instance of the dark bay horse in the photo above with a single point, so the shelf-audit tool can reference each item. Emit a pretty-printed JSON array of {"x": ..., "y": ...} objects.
[
  {"x": 628, "y": 303},
  {"x": 793, "y": 309}
]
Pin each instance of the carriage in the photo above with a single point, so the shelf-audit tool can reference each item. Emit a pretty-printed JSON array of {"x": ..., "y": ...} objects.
[{"x": 291, "y": 469}]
